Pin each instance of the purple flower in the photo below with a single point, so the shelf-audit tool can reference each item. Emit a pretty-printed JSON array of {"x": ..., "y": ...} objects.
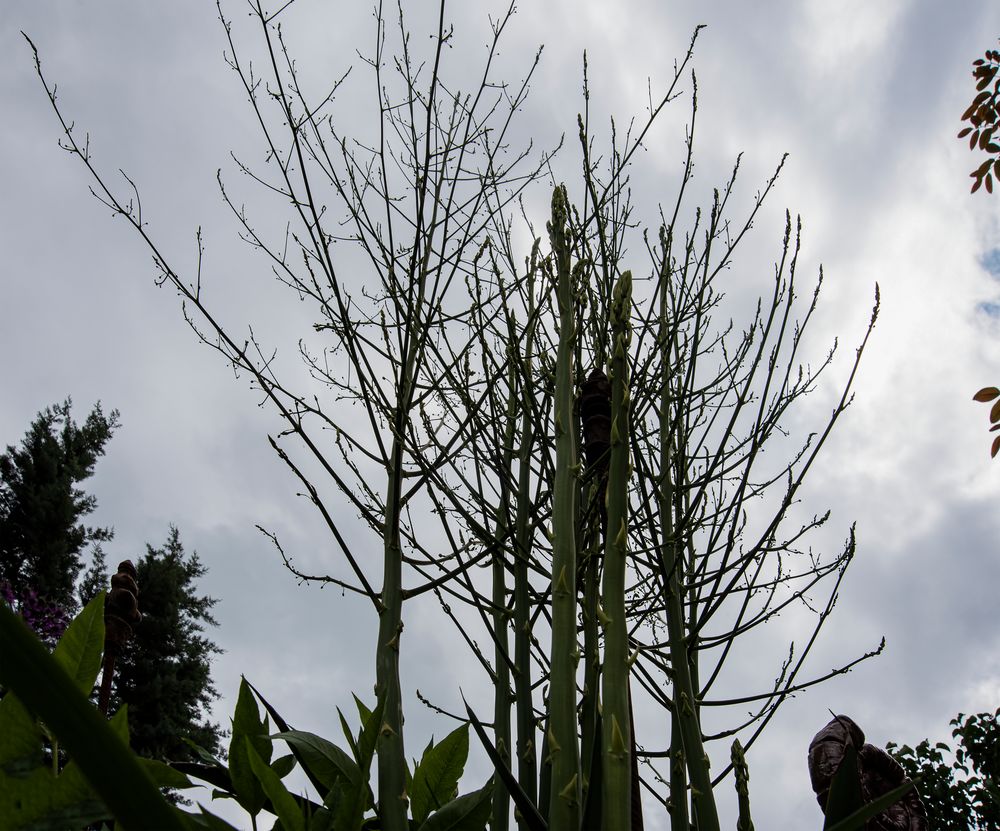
[{"x": 46, "y": 619}]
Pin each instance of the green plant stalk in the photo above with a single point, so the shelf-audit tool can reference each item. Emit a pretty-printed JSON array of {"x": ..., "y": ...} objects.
[
  {"x": 591, "y": 656},
  {"x": 527, "y": 765},
  {"x": 590, "y": 544},
  {"x": 32, "y": 674},
  {"x": 616, "y": 742},
  {"x": 392, "y": 797},
  {"x": 678, "y": 799},
  {"x": 500, "y": 817},
  {"x": 564, "y": 753},
  {"x": 706, "y": 816},
  {"x": 742, "y": 774}
]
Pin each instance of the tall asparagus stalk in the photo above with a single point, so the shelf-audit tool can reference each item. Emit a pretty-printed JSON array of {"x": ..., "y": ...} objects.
[
  {"x": 527, "y": 766},
  {"x": 671, "y": 555},
  {"x": 615, "y": 725},
  {"x": 563, "y": 747},
  {"x": 392, "y": 797},
  {"x": 500, "y": 820}
]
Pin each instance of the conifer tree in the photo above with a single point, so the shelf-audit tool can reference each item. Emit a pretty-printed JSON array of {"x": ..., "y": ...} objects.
[
  {"x": 41, "y": 508},
  {"x": 164, "y": 672}
]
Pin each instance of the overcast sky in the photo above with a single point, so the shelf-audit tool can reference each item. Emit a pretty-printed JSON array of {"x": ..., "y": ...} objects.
[{"x": 864, "y": 96}]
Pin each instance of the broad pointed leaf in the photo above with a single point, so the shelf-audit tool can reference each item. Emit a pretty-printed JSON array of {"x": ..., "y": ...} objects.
[
  {"x": 216, "y": 775},
  {"x": 283, "y": 765},
  {"x": 247, "y": 729},
  {"x": 435, "y": 781},
  {"x": 164, "y": 775},
  {"x": 284, "y": 727},
  {"x": 20, "y": 737},
  {"x": 43, "y": 800},
  {"x": 284, "y": 803},
  {"x": 80, "y": 648},
  {"x": 354, "y": 799},
  {"x": 323, "y": 761},
  {"x": 351, "y": 741},
  {"x": 470, "y": 812},
  {"x": 363, "y": 711},
  {"x": 203, "y": 755}
]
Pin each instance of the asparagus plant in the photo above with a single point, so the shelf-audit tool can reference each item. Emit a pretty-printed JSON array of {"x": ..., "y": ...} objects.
[
  {"x": 616, "y": 741},
  {"x": 693, "y": 405},
  {"x": 563, "y": 741}
]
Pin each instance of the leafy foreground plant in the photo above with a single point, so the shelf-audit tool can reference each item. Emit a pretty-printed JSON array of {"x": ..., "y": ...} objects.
[
  {"x": 104, "y": 780},
  {"x": 46, "y": 697}
]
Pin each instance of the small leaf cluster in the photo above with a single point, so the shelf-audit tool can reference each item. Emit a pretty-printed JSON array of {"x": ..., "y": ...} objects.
[
  {"x": 982, "y": 117},
  {"x": 985, "y": 395}
]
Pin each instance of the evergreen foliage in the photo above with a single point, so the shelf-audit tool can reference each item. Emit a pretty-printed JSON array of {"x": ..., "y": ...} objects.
[
  {"x": 95, "y": 578},
  {"x": 164, "y": 672},
  {"x": 41, "y": 508}
]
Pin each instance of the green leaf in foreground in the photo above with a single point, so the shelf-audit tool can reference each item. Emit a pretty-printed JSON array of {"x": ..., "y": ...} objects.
[
  {"x": 20, "y": 738},
  {"x": 470, "y": 812},
  {"x": 43, "y": 799},
  {"x": 32, "y": 674},
  {"x": 80, "y": 648},
  {"x": 323, "y": 761},
  {"x": 356, "y": 798},
  {"x": 284, "y": 803},
  {"x": 248, "y": 729},
  {"x": 435, "y": 781}
]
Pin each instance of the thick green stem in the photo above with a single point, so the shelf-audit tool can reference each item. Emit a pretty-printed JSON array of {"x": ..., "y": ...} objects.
[
  {"x": 527, "y": 754},
  {"x": 527, "y": 764},
  {"x": 590, "y": 740},
  {"x": 616, "y": 739},
  {"x": 393, "y": 801},
  {"x": 706, "y": 815},
  {"x": 500, "y": 820},
  {"x": 678, "y": 798},
  {"x": 502, "y": 695},
  {"x": 564, "y": 801}
]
